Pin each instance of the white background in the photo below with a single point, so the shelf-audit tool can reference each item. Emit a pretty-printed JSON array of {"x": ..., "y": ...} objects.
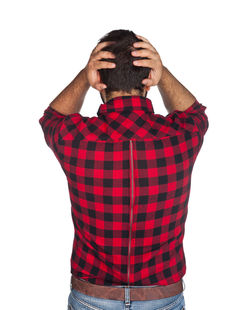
[{"x": 44, "y": 44}]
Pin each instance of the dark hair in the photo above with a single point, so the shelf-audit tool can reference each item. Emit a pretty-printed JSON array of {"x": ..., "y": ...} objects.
[{"x": 125, "y": 76}]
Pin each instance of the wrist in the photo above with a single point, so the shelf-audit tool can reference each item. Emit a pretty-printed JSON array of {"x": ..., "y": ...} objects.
[
  {"x": 163, "y": 72},
  {"x": 85, "y": 77}
]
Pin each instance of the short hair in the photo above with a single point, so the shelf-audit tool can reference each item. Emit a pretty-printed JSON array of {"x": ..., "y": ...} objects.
[{"x": 125, "y": 76}]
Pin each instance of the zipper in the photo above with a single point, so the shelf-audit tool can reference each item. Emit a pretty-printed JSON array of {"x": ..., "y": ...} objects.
[{"x": 132, "y": 202}]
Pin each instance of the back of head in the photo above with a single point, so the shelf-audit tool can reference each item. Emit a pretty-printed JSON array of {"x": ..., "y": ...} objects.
[{"x": 125, "y": 76}]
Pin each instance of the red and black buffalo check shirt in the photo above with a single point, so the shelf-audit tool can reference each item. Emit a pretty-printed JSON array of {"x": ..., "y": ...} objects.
[{"x": 129, "y": 175}]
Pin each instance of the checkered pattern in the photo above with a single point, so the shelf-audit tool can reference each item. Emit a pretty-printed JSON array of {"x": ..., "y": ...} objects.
[{"x": 95, "y": 155}]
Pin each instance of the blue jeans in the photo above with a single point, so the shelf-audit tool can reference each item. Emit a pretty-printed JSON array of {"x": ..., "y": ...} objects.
[{"x": 80, "y": 301}]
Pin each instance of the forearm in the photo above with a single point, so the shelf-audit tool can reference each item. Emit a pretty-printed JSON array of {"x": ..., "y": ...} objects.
[
  {"x": 175, "y": 96},
  {"x": 70, "y": 100}
]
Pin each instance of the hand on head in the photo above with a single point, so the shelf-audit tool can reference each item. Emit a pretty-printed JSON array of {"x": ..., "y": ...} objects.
[
  {"x": 94, "y": 64},
  {"x": 154, "y": 62}
]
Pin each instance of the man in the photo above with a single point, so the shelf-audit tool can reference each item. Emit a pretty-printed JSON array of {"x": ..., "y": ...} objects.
[{"x": 129, "y": 176}]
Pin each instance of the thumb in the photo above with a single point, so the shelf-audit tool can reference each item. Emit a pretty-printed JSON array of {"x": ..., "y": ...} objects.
[
  {"x": 147, "y": 82},
  {"x": 100, "y": 86}
]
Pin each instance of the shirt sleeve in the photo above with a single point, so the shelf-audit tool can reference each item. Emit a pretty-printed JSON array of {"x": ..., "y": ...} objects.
[
  {"x": 55, "y": 124},
  {"x": 192, "y": 119}
]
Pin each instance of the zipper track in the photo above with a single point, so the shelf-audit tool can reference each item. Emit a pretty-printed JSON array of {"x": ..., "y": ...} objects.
[{"x": 132, "y": 202}]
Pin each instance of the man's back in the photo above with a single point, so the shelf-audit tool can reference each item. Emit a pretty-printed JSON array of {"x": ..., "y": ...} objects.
[{"x": 129, "y": 176}]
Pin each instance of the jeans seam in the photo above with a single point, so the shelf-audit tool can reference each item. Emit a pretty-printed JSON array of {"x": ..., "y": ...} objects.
[
  {"x": 84, "y": 302},
  {"x": 172, "y": 304},
  {"x": 70, "y": 307}
]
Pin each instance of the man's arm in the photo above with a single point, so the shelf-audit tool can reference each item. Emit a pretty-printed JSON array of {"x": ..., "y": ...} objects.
[
  {"x": 68, "y": 103},
  {"x": 70, "y": 100},
  {"x": 175, "y": 96}
]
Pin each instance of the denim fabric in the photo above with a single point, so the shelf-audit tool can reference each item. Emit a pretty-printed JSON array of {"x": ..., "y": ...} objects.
[{"x": 80, "y": 301}]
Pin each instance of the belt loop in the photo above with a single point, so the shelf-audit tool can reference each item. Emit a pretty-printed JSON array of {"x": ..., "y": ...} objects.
[
  {"x": 183, "y": 284},
  {"x": 127, "y": 297}
]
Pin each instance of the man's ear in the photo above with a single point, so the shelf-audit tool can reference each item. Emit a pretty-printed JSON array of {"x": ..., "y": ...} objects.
[
  {"x": 147, "y": 88},
  {"x": 149, "y": 75}
]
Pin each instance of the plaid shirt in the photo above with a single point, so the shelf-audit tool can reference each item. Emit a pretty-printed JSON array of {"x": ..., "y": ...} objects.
[{"x": 129, "y": 175}]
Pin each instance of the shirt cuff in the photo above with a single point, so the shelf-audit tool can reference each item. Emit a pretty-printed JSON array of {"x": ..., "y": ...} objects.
[{"x": 53, "y": 112}]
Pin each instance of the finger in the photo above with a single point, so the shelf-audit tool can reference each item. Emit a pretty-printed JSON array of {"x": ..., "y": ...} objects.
[
  {"x": 104, "y": 65},
  {"x": 144, "y": 45},
  {"x": 104, "y": 54},
  {"x": 144, "y": 63},
  {"x": 102, "y": 45},
  {"x": 147, "y": 82},
  {"x": 100, "y": 86},
  {"x": 142, "y": 38},
  {"x": 144, "y": 53}
]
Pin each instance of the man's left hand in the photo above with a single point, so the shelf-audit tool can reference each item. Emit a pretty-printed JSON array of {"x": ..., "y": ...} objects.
[{"x": 94, "y": 63}]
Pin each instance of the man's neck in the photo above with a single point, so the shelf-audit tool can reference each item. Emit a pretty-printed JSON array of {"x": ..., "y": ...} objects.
[{"x": 121, "y": 93}]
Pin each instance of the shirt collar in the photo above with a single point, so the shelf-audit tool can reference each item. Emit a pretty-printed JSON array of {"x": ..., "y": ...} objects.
[{"x": 128, "y": 103}]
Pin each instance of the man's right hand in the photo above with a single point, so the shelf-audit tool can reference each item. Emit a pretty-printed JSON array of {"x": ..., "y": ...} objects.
[{"x": 154, "y": 62}]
